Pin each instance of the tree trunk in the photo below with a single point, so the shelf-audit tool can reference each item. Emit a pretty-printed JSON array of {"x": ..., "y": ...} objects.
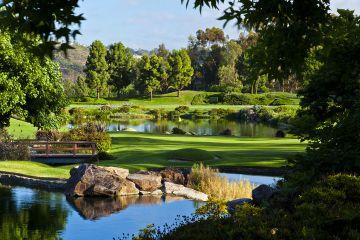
[
  {"x": 97, "y": 93},
  {"x": 178, "y": 93},
  {"x": 151, "y": 95}
]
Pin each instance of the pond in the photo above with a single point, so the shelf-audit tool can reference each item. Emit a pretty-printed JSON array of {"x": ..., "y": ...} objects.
[
  {"x": 34, "y": 214},
  {"x": 199, "y": 127}
]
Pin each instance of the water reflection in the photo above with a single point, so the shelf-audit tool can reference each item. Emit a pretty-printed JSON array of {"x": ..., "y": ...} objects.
[
  {"x": 197, "y": 126},
  {"x": 41, "y": 216},
  {"x": 36, "y": 215},
  {"x": 96, "y": 208}
]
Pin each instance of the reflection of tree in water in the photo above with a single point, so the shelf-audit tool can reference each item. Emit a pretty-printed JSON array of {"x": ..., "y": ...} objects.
[
  {"x": 41, "y": 217},
  {"x": 96, "y": 208}
]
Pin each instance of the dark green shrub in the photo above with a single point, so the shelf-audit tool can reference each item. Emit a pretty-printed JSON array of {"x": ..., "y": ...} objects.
[
  {"x": 222, "y": 113},
  {"x": 124, "y": 109},
  {"x": 158, "y": 113},
  {"x": 90, "y": 132},
  {"x": 14, "y": 151},
  {"x": 182, "y": 109},
  {"x": 200, "y": 114},
  {"x": 179, "y": 131},
  {"x": 199, "y": 99},
  {"x": 48, "y": 135},
  {"x": 10, "y": 150},
  {"x": 105, "y": 108}
]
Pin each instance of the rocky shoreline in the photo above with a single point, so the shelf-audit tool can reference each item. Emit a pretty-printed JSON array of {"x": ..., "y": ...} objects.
[
  {"x": 14, "y": 179},
  {"x": 89, "y": 180}
]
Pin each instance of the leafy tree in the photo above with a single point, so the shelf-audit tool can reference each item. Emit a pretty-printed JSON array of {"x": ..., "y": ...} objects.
[
  {"x": 96, "y": 68},
  {"x": 330, "y": 118},
  {"x": 50, "y": 20},
  {"x": 30, "y": 85},
  {"x": 210, "y": 36},
  {"x": 231, "y": 53},
  {"x": 151, "y": 74},
  {"x": 121, "y": 66},
  {"x": 81, "y": 88},
  {"x": 181, "y": 70},
  {"x": 229, "y": 79},
  {"x": 161, "y": 51}
]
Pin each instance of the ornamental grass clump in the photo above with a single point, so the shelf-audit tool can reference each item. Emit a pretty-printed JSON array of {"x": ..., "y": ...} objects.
[{"x": 209, "y": 181}]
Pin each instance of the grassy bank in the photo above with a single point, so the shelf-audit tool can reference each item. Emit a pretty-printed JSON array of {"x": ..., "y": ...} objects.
[
  {"x": 34, "y": 169},
  {"x": 136, "y": 151},
  {"x": 140, "y": 151},
  {"x": 21, "y": 130}
]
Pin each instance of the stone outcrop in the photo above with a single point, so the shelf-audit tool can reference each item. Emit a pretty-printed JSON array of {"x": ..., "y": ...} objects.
[
  {"x": 180, "y": 190},
  {"x": 91, "y": 180},
  {"x": 146, "y": 182},
  {"x": 121, "y": 172},
  {"x": 173, "y": 175},
  {"x": 262, "y": 193}
]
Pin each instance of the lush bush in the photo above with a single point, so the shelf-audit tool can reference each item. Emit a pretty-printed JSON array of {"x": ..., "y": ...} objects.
[
  {"x": 237, "y": 98},
  {"x": 124, "y": 108},
  {"x": 14, "y": 151},
  {"x": 10, "y": 150},
  {"x": 330, "y": 209},
  {"x": 90, "y": 132},
  {"x": 246, "y": 99},
  {"x": 78, "y": 115},
  {"x": 182, "y": 109},
  {"x": 105, "y": 108},
  {"x": 158, "y": 113},
  {"x": 206, "y": 98},
  {"x": 178, "y": 131},
  {"x": 199, "y": 99},
  {"x": 222, "y": 113},
  {"x": 209, "y": 181},
  {"x": 48, "y": 135}
]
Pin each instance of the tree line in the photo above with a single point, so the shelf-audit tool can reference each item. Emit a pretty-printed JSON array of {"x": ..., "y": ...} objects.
[
  {"x": 113, "y": 71},
  {"x": 210, "y": 62}
]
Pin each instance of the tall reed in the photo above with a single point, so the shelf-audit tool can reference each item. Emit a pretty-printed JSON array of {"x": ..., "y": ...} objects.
[{"x": 209, "y": 181}]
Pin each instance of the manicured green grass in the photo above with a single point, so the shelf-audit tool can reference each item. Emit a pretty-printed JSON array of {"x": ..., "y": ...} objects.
[
  {"x": 137, "y": 151},
  {"x": 140, "y": 151},
  {"x": 34, "y": 169},
  {"x": 21, "y": 130}
]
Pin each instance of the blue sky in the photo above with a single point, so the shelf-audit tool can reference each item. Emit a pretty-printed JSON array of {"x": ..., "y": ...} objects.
[{"x": 147, "y": 23}]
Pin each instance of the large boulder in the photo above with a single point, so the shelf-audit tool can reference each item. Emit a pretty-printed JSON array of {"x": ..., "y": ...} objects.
[
  {"x": 145, "y": 182},
  {"x": 180, "y": 190},
  {"x": 173, "y": 175},
  {"x": 121, "y": 172},
  {"x": 262, "y": 193},
  {"x": 231, "y": 205},
  {"x": 91, "y": 180}
]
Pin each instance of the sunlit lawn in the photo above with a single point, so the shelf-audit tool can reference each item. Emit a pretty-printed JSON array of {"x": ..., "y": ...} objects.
[{"x": 137, "y": 151}]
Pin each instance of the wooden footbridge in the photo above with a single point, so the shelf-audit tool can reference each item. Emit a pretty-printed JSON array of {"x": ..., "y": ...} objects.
[{"x": 57, "y": 153}]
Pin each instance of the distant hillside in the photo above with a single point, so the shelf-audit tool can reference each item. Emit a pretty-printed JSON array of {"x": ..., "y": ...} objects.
[{"x": 73, "y": 64}]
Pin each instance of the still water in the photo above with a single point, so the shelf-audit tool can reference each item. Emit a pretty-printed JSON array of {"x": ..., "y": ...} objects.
[
  {"x": 199, "y": 127},
  {"x": 34, "y": 214}
]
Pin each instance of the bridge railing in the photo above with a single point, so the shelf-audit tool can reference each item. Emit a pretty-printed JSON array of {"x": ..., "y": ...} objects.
[{"x": 62, "y": 149}]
